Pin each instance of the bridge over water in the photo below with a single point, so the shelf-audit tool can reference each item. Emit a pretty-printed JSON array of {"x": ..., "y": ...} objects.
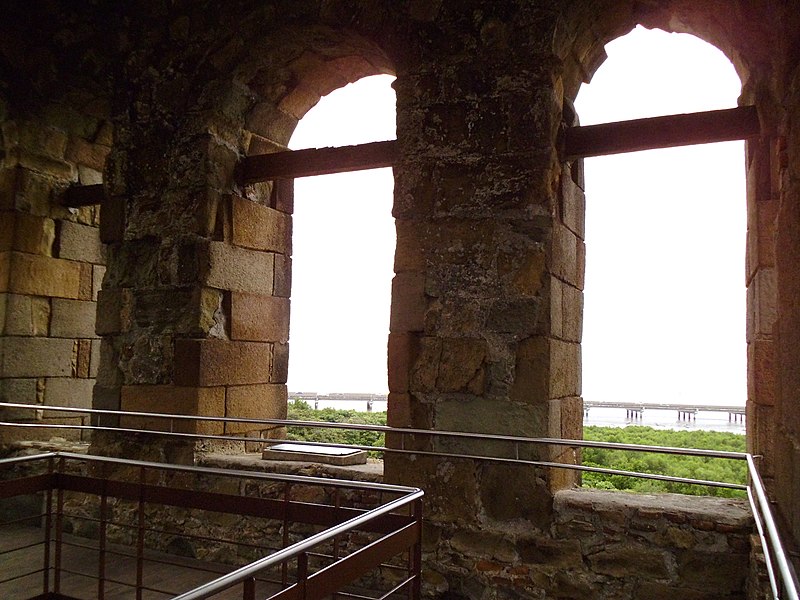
[
  {"x": 686, "y": 412},
  {"x": 634, "y": 410}
]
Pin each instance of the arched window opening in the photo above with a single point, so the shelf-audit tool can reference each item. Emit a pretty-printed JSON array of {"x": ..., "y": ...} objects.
[
  {"x": 664, "y": 316},
  {"x": 343, "y": 248}
]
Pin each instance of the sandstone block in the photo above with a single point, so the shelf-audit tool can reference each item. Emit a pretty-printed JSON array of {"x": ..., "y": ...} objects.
[
  {"x": 259, "y": 227},
  {"x": 37, "y": 357},
  {"x": 36, "y": 137},
  {"x": 104, "y": 398},
  {"x": 402, "y": 351},
  {"x": 280, "y": 363},
  {"x": 113, "y": 312},
  {"x": 7, "y": 224},
  {"x": 85, "y": 282},
  {"x": 214, "y": 362},
  {"x": 18, "y": 391},
  {"x": 263, "y": 401},
  {"x": 82, "y": 152},
  {"x": 462, "y": 366},
  {"x": 98, "y": 272},
  {"x": 282, "y": 196},
  {"x": 112, "y": 221},
  {"x": 565, "y": 369},
  {"x": 573, "y": 205},
  {"x": 26, "y": 315},
  {"x": 34, "y": 235},
  {"x": 761, "y": 376},
  {"x": 282, "y": 286},
  {"x": 564, "y": 255},
  {"x": 259, "y": 318},
  {"x": 67, "y": 391},
  {"x": 239, "y": 269},
  {"x": 173, "y": 400},
  {"x": 408, "y": 255},
  {"x": 630, "y": 561},
  {"x": 73, "y": 318},
  {"x": 3, "y": 305},
  {"x": 408, "y": 303},
  {"x": 44, "y": 276},
  {"x": 94, "y": 358},
  {"x": 8, "y": 185},
  {"x": 80, "y": 242},
  {"x": 5, "y": 270},
  {"x": 84, "y": 358},
  {"x": 532, "y": 371}
]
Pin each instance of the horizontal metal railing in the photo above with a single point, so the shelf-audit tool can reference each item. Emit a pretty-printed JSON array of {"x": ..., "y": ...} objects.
[
  {"x": 783, "y": 578},
  {"x": 394, "y": 524}
]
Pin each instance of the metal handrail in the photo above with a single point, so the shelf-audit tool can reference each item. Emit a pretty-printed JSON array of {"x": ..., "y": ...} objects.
[
  {"x": 410, "y": 497},
  {"x": 758, "y": 500}
]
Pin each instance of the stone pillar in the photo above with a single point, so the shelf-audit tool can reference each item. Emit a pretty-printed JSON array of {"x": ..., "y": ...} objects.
[
  {"x": 195, "y": 310},
  {"x": 486, "y": 299},
  {"x": 51, "y": 267}
]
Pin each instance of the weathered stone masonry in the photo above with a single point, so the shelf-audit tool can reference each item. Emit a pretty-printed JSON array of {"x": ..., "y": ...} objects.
[{"x": 161, "y": 101}]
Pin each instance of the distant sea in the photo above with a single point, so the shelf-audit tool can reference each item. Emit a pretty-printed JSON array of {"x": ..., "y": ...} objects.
[{"x": 603, "y": 417}]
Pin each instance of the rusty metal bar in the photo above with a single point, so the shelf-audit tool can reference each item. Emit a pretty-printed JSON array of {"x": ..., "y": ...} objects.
[
  {"x": 318, "y": 161},
  {"x": 140, "y": 528},
  {"x": 48, "y": 525},
  {"x": 249, "y": 589},
  {"x": 82, "y": 195},
  {"x": 662, "y": 132},
  {"x": 101, "y": 560},
  {"x": 59, "y": 530},
  {"x": 286, "y": 505}
]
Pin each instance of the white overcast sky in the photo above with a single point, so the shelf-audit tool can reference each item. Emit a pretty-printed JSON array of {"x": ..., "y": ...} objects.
[{"x": 664, "y": 317}]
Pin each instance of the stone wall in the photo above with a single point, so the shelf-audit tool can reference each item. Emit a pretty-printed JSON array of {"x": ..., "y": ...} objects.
[{"x": 52, "y": 262}]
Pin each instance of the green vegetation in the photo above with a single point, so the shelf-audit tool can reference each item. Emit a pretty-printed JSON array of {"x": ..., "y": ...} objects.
[
  {"x": 301, "y": 411},
  {"x": 695, "y": 467}
]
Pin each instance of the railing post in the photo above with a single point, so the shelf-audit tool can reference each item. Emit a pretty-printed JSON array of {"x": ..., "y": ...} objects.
[
  {"x": 59, "y": 530},
  {"x": 286, "y": 501},
  {"x": 249, "y": 589},
  {"x": 48, "y": 525},
  {"x": 302, "y": 574},
  {"x": 140, "y": 537},
  {"x": 101, "y": 563},
  {"x": 415, "y": 558}
]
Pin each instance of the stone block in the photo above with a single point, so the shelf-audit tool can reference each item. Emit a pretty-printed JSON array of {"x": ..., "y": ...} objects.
[
  {"x": 214, "y": 362},
  {"x": 113, "y": 314},
  {"x": 37, "y": 357},
  {"x": 630, "y": 560},
  {"x": 3, "y": 305},
  {"x": 7, "y": 225},
  {"x": 402, "y": 352},
  {"x": 27, "y": 315},
  {"x": 173, "y": 400},
  {"x": 399, "y": 413},
  {"x": 765, "y": 300},
  {"x": 94, "y": 358},
  {"x": 98, "y": 272},
  {"x": 263, "y": 401},
  {"x": 44, "y": 276},
  {"x": 73, "y": 318},
  {"x": 84, "y": 358},
  {"x": 409, "y": 303},
  {"x": 761, "y": 372},
  {"x": 462, "y": 366},
  {"x": 564, "y": 254},
  {"x": 5, "y": 270},
  {"x": 104, "y": 398},
  {"x": 260, "y": 227},
  {"x": 34, "y": 192},
  {"x": 239, "y": 269},
  {"x": 280, "y": 363},
  {"x": 8, "y": 186},
  {"x": 85, "y": 282},
  {"x": 81, "y": 243},
  {"x": 85, "y": 153},
  {"x": 565, "y": 369},
  {"x": 112, "y": 221},
  {"x": 532, "y": 371},
  {"x": 19, "y": 391},
  {"x": 282, "y": 196},
  {"x": 67, "y": 391},
  {"x": 408, "y": 254},
  {"x": 34, "y": 235},
  {"x": 282, "y": 286},
  {"x": 571, "y": 314},
  {"x": 573, "y": 205},
  {"x": 259, "y": 318},
  {"x": 36, "y": 137}
]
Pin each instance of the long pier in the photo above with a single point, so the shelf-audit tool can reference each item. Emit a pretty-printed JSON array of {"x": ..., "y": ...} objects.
[
  {"x": 686, "y": 412},
  {"x": 634, "y": 410}
]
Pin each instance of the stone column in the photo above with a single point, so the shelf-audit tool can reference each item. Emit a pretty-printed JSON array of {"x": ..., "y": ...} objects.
[
  {"x": 486, "y": 298},
  {"x": 194, "y": 313}
]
